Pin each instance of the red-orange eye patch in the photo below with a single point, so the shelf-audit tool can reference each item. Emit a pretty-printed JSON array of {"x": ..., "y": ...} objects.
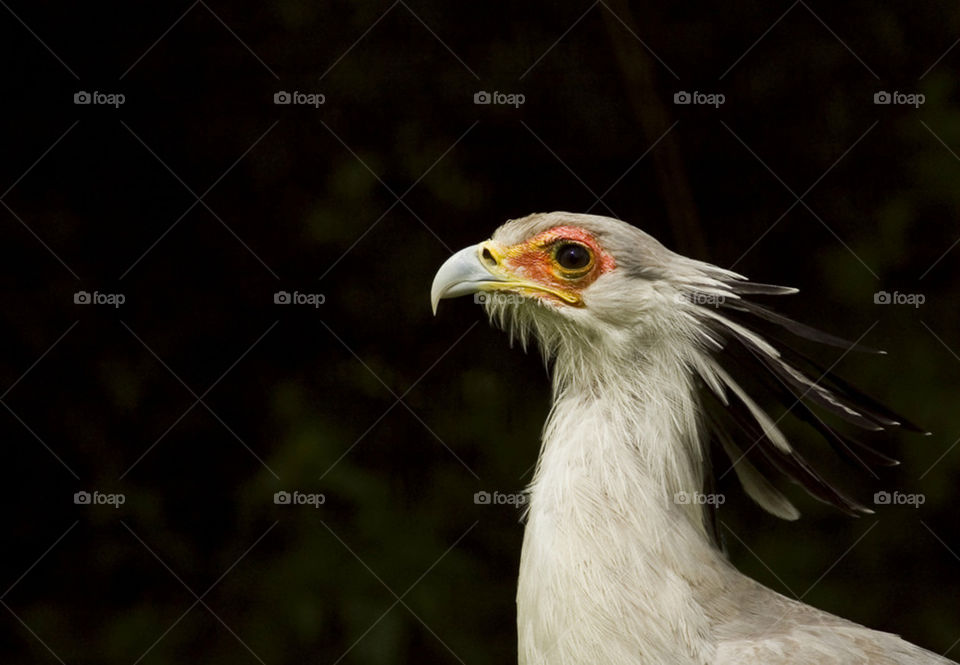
[{"x": 541, "y": 259}]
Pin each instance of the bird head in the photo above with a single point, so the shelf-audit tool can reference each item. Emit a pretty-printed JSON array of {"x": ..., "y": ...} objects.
[
  {"x": 608, "y": 302},
  {"x": 586, "y": 282}
]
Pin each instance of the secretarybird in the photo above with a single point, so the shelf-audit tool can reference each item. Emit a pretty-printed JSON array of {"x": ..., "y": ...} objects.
[{"x": 646, "y": 346}]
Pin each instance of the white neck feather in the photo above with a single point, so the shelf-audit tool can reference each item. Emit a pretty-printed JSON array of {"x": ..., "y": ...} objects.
[
  {"x": 602, "y": 402},
  {"x": 603, "y": 519}
]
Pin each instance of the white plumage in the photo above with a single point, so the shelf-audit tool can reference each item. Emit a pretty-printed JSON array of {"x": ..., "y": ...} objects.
[{"x": 616, "y": 568}]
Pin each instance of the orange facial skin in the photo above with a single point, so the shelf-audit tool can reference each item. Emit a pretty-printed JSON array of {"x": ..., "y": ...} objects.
[{"x": 534, "y": 261}]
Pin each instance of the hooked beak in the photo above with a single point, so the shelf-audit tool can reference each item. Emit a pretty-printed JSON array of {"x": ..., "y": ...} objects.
[
  {"x": 481, "y": 268},
  {"x": 464, "y": 273}
]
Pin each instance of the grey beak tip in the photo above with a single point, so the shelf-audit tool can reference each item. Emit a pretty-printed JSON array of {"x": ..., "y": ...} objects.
[{"x": 461, "y": 274}]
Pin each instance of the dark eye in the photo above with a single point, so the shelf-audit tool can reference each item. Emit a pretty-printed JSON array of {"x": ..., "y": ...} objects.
[{"x": 572, "y": 256}]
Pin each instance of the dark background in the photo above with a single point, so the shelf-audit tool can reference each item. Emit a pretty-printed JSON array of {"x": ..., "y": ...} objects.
[{"x": 397, "y": 417}]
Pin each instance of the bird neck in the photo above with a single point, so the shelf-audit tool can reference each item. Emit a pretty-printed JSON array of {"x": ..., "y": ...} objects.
[
  {"x": 607, "y": 542},
  {"x": 627, "y": 419}
]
